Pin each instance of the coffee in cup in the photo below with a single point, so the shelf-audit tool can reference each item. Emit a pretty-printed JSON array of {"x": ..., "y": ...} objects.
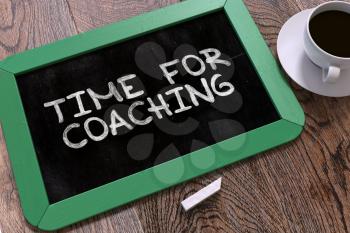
[{"x": 327, "y": 38}]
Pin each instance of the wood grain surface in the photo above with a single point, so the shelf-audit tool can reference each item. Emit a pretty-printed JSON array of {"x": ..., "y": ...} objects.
[{"x": 303, "y": 186}]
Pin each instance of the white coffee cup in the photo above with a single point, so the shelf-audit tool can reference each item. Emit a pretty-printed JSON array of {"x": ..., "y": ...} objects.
[{"x": 331, "y": 65}]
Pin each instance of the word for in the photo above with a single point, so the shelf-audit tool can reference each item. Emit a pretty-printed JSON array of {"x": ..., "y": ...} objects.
[{"x": 156, "y": 106}]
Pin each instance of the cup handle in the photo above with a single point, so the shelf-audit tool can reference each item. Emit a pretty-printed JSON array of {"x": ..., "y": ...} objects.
[{"x": 330, "y": 74}]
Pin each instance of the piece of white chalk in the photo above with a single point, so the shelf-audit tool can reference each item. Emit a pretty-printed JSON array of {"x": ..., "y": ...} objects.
[{"x": 201, "y": 195}]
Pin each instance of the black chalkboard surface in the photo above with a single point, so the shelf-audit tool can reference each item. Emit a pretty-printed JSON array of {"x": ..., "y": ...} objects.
[{"x": 69, "y": 171}]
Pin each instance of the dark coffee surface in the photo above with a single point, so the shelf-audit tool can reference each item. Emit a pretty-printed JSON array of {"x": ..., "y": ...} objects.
[
  {"x": 67, "y": 172},
  {"x": 331, "y": 32}
]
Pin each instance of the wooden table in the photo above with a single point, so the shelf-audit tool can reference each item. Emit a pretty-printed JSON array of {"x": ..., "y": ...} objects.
[{"x": 303, "y": 186}]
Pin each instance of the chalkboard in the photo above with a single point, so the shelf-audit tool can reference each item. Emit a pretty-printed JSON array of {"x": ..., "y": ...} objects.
[
  {"x": 118, "y": 110},
  {"x": 104, "y": 160}
]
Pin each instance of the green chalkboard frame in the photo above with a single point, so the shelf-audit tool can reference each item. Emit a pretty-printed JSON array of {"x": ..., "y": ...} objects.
[{"x": 34, "y": 201}]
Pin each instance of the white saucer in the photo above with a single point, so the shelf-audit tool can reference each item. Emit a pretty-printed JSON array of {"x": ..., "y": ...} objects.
[{"x": 290, "y": 49}]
